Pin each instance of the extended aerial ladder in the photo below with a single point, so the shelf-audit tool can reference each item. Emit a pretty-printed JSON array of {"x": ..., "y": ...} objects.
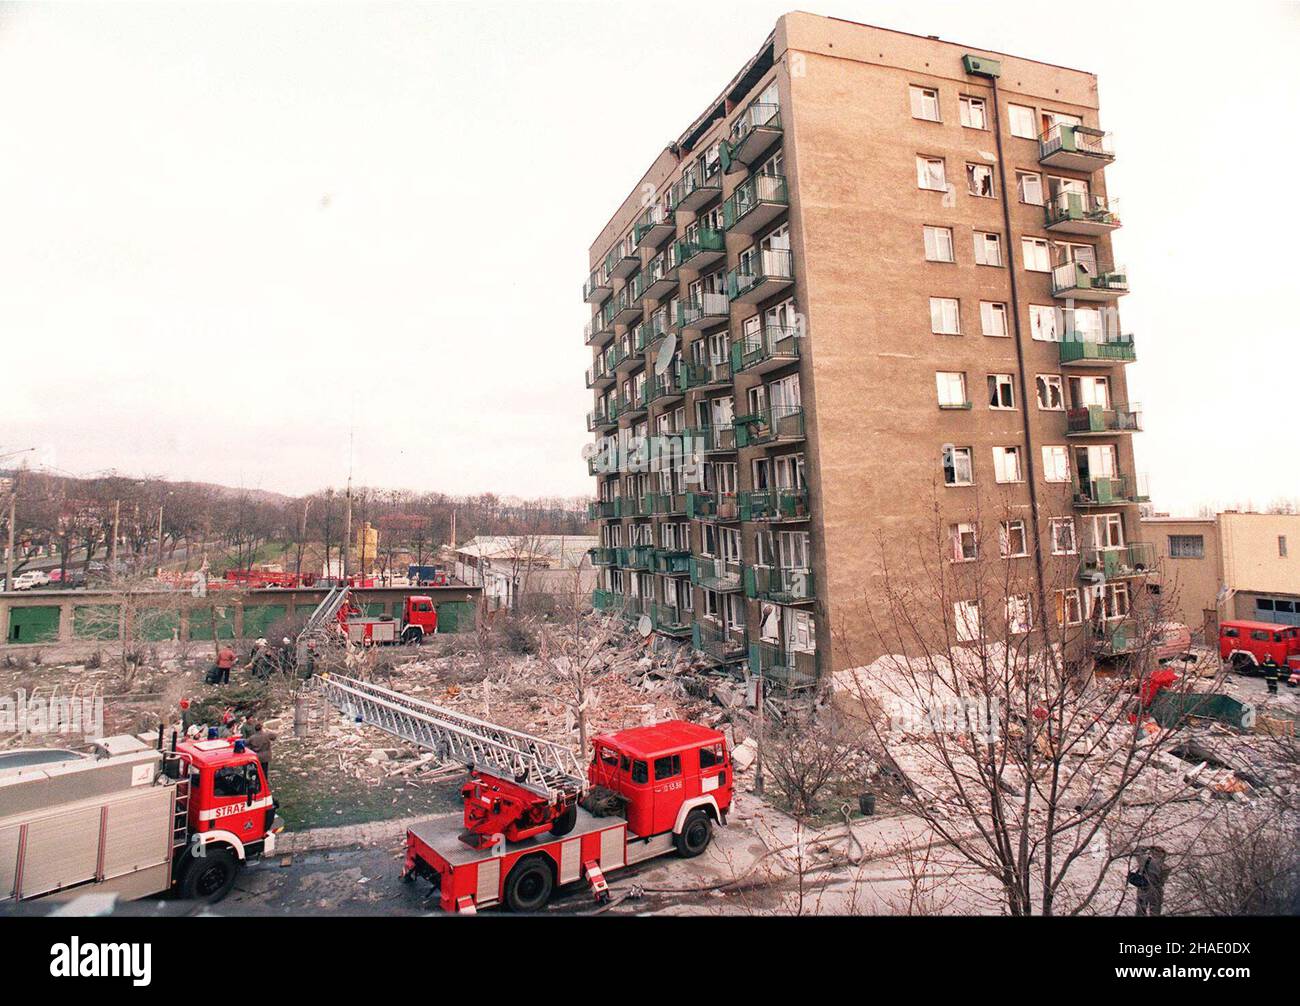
[
  {"x": 520, "y": 785},
  {"x": 320, "y": 625}
]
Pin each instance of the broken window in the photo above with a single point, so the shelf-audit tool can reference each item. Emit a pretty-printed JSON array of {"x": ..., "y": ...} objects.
[
  {"x": 979, "y": 180},
  {"x": 957, "y": 469},
  {"x": 1050, "y": 397},
  {"x": 1012, "y": 539},
  {"x": 965, "y": 547},
  {"x": 966, "y": 614},
  {"x": 1002, "y": 391},
  {"x": 930, "y": 173},
  {"x": 1061, "y": 533},
  {"x": 1006, "y": 464},
  {"x": 1069, "y": 610},
  {"x": 1019, "y": 613},
  {"x": 1042, "y": 323}
]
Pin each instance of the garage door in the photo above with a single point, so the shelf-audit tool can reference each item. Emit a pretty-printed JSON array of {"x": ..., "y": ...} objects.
[
  {"x": 34, "y": 625},
  {"x": 96, "y": 621},
  {"x": 260, "y": 617}
]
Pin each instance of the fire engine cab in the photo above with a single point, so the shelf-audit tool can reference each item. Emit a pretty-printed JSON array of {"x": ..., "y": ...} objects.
[{"x": 1245, "y": 644}]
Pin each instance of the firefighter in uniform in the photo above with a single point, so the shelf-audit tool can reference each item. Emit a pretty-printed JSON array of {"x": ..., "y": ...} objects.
[{"x": 1271, "y": 673}]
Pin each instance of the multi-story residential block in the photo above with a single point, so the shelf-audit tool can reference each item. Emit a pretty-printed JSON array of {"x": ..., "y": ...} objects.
[{"x": 874, "y": 282}]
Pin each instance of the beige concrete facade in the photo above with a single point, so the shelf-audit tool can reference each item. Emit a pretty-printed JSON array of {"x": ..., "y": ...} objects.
[{"x": 854, "y": 218}]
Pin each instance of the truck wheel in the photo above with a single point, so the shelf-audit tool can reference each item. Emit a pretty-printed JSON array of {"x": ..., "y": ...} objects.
[
  {"x": 413, "y": 636},
  {"x": 210, "y": 877},
  {"x": 1242, "y": 664},
  {"x": 528, "y": 888},
  {"x": 696, "y": 832},
  {"x": 565, "y": 822}
]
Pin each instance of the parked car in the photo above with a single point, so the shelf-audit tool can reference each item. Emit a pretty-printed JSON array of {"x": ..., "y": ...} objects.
[{"x": 31, "y": 578}]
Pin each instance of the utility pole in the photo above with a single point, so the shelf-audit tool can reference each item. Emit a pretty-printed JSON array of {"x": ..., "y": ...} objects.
[
  {"x": 347, "y": 529},
  {"x": 160, "y": 515},
  {"x": 9, "y": 556},
  {"x": 112, "y": 548}
]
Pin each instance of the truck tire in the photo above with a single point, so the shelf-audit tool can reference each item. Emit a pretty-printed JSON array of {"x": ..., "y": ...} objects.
[
  {"x": 565, "y": 823},
  {"x": 1243, "y": 665},
  {"x": 528, "y": 888},
  {"x": 696, "y": 833},
  {"x": 208, "y": 878},
  {"x": 413, "y": 635}
]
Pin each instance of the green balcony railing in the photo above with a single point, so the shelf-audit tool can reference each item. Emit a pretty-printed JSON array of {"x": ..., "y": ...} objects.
[
  {"x": 715, "y": 574},
  {"x": 639, "y": 557},
  {"x": 705, "y": 309},
  {"x": 672, "y": 561},
  {"x": 654, "y": 224},
  {"x": 1078, "y": 280},
  {"x": 661, "y": 504},
  {"x": 606, "y": 600},
  {"x": 784, "y": 422},
  {"x": 712, "y": 506},
  {"x": 703, "y": 243},
  {"x": 694, "y": 188},
  {"x": 1079, "y": 347},
  {"x": 723, "y": 646},
  {"x": 596, "y": 288},
  {"x": 1113, "y": 639},
  {"x": 779, "y": 584},
  {"x": 1105, "y": 490},
  {"x": 1085, "y": 210},
  {"x": 605, "y": 556},
  {"x": 785, "y": 670},
  {"x": 600, "y": 327},
  {"x": 1096, "y": 419},
  {"x": 773, "y": 504},
  {"x": 1067, "y": 143},
  {"x": 714, "y": 439},
  {"x": 703, "y": 375},
  {"x": 754, "y": 192},
  {"x": 753, "y": 131},
  {"x": 663, "y": 386},
  {"x": 670, "y": 619},
  {"x": 1127, "y": 560},
  {"x": 773, "y": 344}
]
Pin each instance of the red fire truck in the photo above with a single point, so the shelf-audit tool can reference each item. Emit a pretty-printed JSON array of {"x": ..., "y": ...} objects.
[
  {"x": 419, "y": 619},
  {"x": 132, "y": 818},
  {"x": 533, "y": 821},
  {"x": 1245, "y": 644}
]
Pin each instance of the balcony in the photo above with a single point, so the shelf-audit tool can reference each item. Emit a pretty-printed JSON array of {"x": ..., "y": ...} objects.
[
  {"x": 714, "y": 574},
  {"x": 723, "y": 646},
  {"x": 656, "y": 327},
  {"x": 693, "y": 191},
  {"x": 761, "y": 275},
  {"x": 707, "y": 310},
  {"x": 626, "y": 310},
  {"x": 752, "y": 135},
  {"x": 653, "y": 227},
  {"x": 597, "y": 287},
  {"x": 696, "y": 376},
  {"x": 774, "y": 346},
  {"x": 1076, "y": 213},
  {"x": 609, "y": 509},
  {"x": 623, "y": 357},
  {"x": 1081, "y": 282},
  {"x": 701, "y": 250},
  {"x": 607, "y": 601},
  {"x": 712, "y": 506},
  {"x": 600, "y": 329},
  {"x": 779, "y": 584},
  {"x": 780, "y": 424},
  {"x": 622, "y": 261},
  {"x": 1091, "y": 349},
  {"x": 598, "y": 421},
  {"x": 660, "y": 276},
  {"x": 1095, "y": 421},
  {"x": 717, "y": 439},
  {"x": 774, "y": 505},
  {"x": 790, "y": 672},
  {"x": 632, "y": 407},
  {"x": 755, "y": 203},
  {"x": 672, "y": 561},
  {"x": 665, "y": 388},
  {"x": 1075, "y": 148},
  {"x": 606, "y": 556},
  {"x": 1113, "y": 640},
  {"x": 639, "y": 557},
  {"x": 1132, "y": 559},
  {"x": 670, "y": 619},
  {"x": 1109, "y": 490},
  {"x": 599, "y": 376}
]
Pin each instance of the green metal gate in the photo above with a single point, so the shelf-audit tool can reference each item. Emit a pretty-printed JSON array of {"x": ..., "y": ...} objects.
[
  {"x": 259, "y": 618},
  {"x": 34, "y": 625},
  {"x": 456, "y": 616},
  {"x": 97, "y": 621}
]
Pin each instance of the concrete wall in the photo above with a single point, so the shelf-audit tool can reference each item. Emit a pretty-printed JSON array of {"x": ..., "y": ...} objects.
[
  {"x": 1251, "y": 557},
  {"x": 1189, "y": 586}
]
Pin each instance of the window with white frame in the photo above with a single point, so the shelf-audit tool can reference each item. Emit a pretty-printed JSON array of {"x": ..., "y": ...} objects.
[
  {"x": 1030, "y": 186},
  {"x": 1056, "y": 463},
  {"x": 979, "y": 180},
  {"x": 1107, "y": 530},
  {"x": 966, "y": 616},
  {"x": 957, "y": 468},
  {"x": 1019, "y": 613},
  {"x": 993, "y": 318},
  {"x": 1069, "y": 609},
  {"x": 1006, "y": 465},
  {"x": 1022, "y": 121},
  {"x": 965, "y": 547},
  {"x": 1042, "y": 323},
  {"x": 938, "y": 244},
  {"x": 1061, "y": 535},
  {"x": 973, "y": 112},
  {"x": 925, "y": 103},
  {"x": 1051, "y": 397},
  {"x": 945, "y": 317},
  {"x": 1037, "y": 253},
  {"x": 1002, "y": 391},
  {"x": 1186, "y": 546},
  {"x": 930, "y": 173},
  {"x": 951, "y": 386},
  {"x": 1013, "y": 541},
  {"x": 988, "y": 248}
]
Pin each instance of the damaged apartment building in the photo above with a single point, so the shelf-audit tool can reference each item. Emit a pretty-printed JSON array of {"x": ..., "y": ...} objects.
[{"x": 871, "y": 282}]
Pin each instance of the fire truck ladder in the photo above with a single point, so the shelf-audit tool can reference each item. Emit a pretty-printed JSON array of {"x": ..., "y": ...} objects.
[
  {"x": 543, "y": 767},
  {"x": 320, "y": 625}
]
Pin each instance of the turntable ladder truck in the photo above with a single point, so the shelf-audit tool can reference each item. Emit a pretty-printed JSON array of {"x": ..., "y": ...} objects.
[{"x": 533, "y": 819}]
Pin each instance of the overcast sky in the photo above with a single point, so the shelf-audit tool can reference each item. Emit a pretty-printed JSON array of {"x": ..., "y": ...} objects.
[{"x": 229, "y": 233}]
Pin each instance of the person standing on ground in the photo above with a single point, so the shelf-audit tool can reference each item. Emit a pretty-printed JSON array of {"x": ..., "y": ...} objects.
[
  {"x": 1271, "y": 673},
  {"x": 225, "y": 661},
  {"x": 260, "y": 745},
  {"x": 1149, "y": 879}
]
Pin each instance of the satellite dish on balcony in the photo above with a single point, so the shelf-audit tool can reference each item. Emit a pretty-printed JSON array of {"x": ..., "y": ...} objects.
[
  {"x": 664, "y": 358},
  {"x": 644, "y": 627}
]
